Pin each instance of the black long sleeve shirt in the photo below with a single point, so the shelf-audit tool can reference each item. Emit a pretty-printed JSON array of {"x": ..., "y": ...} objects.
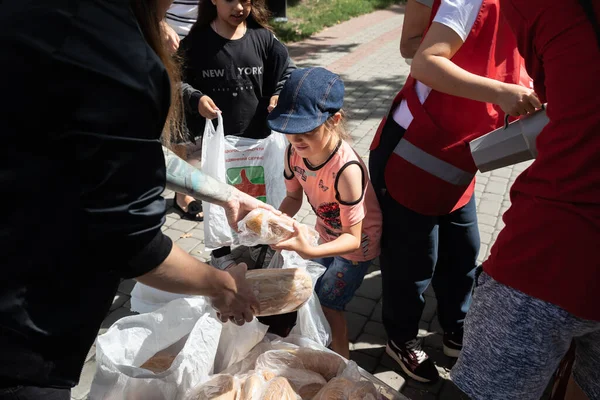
[
  {"x": 240, "y": 76},
  {"x": 84, "y": 102}
]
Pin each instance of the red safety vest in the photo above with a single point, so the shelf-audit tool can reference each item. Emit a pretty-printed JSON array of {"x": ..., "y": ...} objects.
[{"x": 431, "y": 171}]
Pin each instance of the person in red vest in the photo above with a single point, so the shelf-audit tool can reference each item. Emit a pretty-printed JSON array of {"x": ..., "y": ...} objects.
[
  {"x": 540, "y": 288},
  {"x": 424, "y": 175}
]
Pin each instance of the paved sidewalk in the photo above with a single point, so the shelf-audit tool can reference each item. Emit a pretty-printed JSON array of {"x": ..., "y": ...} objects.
[{"x": 365, "y": 52}]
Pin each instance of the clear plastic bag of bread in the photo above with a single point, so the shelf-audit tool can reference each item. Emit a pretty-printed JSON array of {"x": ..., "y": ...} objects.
[
  {"x": 328, "y": 365},
  {"x": 252, "y": 387},
  {"x": 262, "y": 226},
  {"x": 280, "y": 291},
  {"x": 282, "y": 363},
  {"x": 279, "y": 389},
  {"x": 219, "y": 387}
]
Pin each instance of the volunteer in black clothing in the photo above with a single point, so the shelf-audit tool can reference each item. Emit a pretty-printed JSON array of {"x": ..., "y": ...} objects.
[
  {"x": 87, "y": 97},
  {"x": 234, "y": 64}
]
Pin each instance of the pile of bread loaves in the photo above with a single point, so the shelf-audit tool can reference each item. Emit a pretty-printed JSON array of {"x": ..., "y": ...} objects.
[{"x": 287, "y": 374}]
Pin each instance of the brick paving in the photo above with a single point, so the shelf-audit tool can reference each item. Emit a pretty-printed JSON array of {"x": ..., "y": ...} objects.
[{"x": 364, "y": 51}]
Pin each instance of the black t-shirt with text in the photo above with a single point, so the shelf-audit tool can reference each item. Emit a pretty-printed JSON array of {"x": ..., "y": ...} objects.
[{"x": 240, "y": 76}]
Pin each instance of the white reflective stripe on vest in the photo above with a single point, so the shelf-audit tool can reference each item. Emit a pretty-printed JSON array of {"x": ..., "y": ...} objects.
[{"x": 434, "y": 166}]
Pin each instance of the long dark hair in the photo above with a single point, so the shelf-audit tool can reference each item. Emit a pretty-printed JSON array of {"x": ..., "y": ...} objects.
[
  {"x": 588, "y": 8},
  {"x": 259, "y": 16},
  {"x": 146, "y": 13}
]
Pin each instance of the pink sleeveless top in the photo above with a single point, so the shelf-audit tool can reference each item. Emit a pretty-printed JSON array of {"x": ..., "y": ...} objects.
[{"x": 320, "y": 186}]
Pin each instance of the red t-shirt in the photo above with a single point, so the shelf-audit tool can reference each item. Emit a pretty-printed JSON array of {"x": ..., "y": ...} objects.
[{"x": 548, "y": 248}]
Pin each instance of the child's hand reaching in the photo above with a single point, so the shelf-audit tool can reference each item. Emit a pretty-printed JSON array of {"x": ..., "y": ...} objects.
[{"x": 298, "y": 243}]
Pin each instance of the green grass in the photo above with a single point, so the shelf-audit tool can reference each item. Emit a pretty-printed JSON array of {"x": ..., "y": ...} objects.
[{"x": 307, "y": 17}]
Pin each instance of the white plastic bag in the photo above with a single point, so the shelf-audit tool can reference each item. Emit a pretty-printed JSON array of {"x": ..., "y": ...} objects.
[
  {"x": 255, "y": 166},
  {"x": 186, "y": 327},
  {"x": 189, "y": 324},
  {"x": 311, "y": 322}
]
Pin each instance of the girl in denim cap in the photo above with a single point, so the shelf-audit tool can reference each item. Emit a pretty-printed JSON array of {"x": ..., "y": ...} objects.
[{"x": 321, "y": 164}]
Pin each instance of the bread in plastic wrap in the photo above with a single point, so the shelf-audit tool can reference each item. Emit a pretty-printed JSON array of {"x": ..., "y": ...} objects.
[
  {"x": 252, "y": 387},
  {"x": 363, "y": 390},
  {"x": 219, "y": 387},
  {"x": 159, "y": 363},
  {"x": 278, "y": 389},
  {"x": 309, "y": 391},
  {"x": 336, "y": 389},
  {"x": 329, "y": 365},
  {"x": 262, "y": 226},
  {"x": 281, "y": 363},
  {"x": 280, "y": 291}
]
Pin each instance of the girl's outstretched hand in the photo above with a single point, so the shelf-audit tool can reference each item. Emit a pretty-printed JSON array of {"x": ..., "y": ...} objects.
[{"x": 297, "y": 242}]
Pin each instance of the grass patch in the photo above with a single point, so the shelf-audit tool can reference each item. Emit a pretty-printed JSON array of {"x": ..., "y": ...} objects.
[{"x": 307, "y": 17}]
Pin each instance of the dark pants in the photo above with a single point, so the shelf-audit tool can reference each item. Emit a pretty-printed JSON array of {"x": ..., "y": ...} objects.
[
  {"x": 34, "y": 393},
  {"x": 417, "y": 250}
]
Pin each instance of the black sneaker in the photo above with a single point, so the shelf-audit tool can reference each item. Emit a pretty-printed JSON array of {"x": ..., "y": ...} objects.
[
  {"x": 413, "y": 360},
  {"x": 453, "y": 343}
]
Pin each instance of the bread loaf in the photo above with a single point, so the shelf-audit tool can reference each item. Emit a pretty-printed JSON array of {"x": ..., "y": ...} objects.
[
  {"x": 219, "y": 387},
  {"x": 280, "y": 291},
  {"x": 159, "y": 363},
  {"x": 336, "y": 389},
  {"x": 363, "y": 390},
  {"x": 252, "y": 388},
  {"x": 278, "y": 389},
  {"x": 327, "y": 364},
  {"x": 307, "y": 392},
  {"x": 262, "y": 226},
  {"x": 271, "y": 228}
]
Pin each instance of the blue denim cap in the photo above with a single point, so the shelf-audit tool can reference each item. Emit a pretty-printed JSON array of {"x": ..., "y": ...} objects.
[{"x": 308, "y": 98}]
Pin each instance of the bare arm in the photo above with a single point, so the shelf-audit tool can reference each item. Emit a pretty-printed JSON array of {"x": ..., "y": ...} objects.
[
  {"x": 292, "y": 203},
  {"x": 350, "y": 190},
  {"x": 293, "y": 200},
  {"x": 433, "y": 66},
  {"x": 416, "y": 20},
  {"x": 185, "y": 178},
  {"x": 228, "y": 291}
]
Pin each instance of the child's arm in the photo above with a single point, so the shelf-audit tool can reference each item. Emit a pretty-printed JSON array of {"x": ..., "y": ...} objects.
[
  {"x": 350, "y": 190},
  {"x": 293, "y": 201}
]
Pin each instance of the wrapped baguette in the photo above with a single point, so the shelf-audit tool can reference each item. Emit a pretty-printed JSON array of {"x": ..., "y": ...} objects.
[
  {"x": 219, "y": 387},
  {"x": 278, "y": 389},
  {"x": 280, "y": 291},
  {"x": 262, "y": 226},
  {"x": 336, "y": 389},
  {"x": 158, "y": 363}
]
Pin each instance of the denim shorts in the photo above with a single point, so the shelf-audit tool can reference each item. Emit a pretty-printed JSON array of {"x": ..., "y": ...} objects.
[
  {"x": 342, "y": 278},
  {"x": 513, "y": 344}
]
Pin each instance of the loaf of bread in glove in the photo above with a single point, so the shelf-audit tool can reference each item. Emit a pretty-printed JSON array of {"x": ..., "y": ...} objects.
[
  {"x": 336, "y": 389},
  {"x": 219, "y": 387},
  {"x": 327, "y": 364},
  {"x": 159, "y": 363},
  {"x": 363, "y": 390},
  {"x": 280, "y": 291},
  {"x": 278, "y": 389}
]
